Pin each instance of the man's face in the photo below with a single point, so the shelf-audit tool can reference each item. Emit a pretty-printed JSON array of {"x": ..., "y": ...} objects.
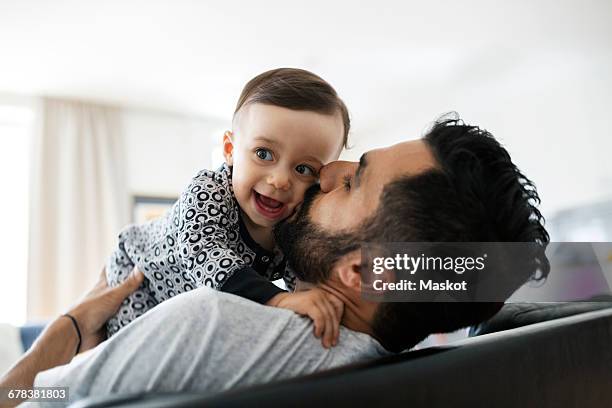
[
  {"x": 350, "y": 191},
  {"x": 326, "y": 225}
]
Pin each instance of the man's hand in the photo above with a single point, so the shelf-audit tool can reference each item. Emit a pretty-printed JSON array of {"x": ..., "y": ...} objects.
[
  {"x": 99, "y": 305},
  {"x": 55, "y": 346},
  {"x": 322, "y": 307}
]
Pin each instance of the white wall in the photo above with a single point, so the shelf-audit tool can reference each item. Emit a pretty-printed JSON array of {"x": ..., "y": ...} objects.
[
  {"x": 166, "y": 150},
  {"x": 551, "y": 110},
  {"x": 536, "y": 73}
]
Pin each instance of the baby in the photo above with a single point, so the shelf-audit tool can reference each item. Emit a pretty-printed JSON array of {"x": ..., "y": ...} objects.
[{"x": 288, "y": 123}]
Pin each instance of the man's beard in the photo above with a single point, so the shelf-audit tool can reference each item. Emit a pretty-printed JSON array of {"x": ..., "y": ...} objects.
[{"x": 311, "y": 251}]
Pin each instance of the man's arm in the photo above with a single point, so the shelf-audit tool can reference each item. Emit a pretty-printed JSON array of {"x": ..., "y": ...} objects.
[
  {"x": 57, "y": 344},
  {"x": 55, "y": 347}
]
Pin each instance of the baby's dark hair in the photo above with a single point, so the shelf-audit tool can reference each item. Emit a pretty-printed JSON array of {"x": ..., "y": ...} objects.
[{"x": 295, "y": 89}]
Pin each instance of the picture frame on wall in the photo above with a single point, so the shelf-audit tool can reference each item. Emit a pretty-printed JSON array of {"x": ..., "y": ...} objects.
[{"x": 148, "y": 208}]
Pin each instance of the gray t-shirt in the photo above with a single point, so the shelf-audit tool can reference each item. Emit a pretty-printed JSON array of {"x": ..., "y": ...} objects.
[{"x": 206, "y": 341}]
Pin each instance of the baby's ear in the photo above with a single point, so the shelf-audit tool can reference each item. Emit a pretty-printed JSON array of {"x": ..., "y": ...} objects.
[{"x": 228, "y": 147}]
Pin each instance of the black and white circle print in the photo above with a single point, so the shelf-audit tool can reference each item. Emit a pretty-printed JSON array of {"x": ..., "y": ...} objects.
[
  {"x": 117, "y": 270},
  {"x": 196, "y": 243}
]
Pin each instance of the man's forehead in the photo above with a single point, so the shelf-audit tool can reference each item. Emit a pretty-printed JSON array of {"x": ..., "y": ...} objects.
[
  {"x": 405, "y": 158},
  {"x": 387, "y": 165}
]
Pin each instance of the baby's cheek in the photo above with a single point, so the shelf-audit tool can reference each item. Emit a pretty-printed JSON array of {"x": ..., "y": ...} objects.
[
  {"x": 241, "y": 192},
  {"x": 298, "y": 193}
]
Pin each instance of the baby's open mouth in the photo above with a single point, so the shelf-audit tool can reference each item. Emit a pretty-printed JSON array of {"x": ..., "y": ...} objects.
[{"x": 268, "y": 206}]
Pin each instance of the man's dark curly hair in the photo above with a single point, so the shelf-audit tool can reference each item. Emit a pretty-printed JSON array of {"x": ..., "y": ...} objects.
[{"x": 475, "y": 194}]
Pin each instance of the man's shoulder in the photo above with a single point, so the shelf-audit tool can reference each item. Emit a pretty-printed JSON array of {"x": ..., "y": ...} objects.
[
  {"x": 211, "y": 302},
  {"x": 235, "y": 316},
  {"x": 206, "y": 341}
]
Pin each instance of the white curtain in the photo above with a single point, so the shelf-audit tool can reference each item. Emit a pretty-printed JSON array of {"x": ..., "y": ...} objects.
[{"x": 79, "y": 202}]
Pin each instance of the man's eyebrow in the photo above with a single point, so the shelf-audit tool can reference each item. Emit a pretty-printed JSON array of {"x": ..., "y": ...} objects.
[{"x": 363, "y": 163}]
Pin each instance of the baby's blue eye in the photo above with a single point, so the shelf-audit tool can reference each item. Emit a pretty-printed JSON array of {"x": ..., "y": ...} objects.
[
  {"x": 305, "y": 170},
  {"x": 264, "y": 154}
]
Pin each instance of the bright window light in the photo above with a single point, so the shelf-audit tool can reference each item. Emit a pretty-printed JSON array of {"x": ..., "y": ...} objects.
[{"x": 15, "y": 136}]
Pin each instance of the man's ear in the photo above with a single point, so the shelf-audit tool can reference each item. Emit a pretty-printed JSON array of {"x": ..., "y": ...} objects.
[
  {"x": 228, "y": 147},
  {"x": 348, "y": 270}
]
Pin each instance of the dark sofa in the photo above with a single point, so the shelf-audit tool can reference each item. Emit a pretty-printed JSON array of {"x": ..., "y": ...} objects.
[{"x": 532, "y": 362}]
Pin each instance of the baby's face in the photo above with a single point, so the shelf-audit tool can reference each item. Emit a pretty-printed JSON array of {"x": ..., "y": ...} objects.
[{"x": 277, "y": 154}]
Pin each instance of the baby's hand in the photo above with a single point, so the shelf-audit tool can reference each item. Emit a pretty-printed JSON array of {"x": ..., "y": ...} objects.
[{"x": 322, "y": 307}]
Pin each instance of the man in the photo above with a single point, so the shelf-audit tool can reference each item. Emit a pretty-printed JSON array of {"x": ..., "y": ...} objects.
[{"x": 456, "y": 184}]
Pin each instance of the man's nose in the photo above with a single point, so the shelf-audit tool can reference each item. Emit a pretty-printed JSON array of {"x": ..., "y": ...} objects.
[
  {"x": 280, "y": 181},
  {"x": 331, "y": 175}
]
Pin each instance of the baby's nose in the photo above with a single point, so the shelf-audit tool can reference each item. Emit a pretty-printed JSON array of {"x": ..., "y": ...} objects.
[
  {"x": 280, "y": 181},
  {"x": 330, "y": 176}
]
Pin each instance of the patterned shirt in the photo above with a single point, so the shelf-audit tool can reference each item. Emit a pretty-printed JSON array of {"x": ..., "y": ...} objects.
[{"x": 201, "y": 241}]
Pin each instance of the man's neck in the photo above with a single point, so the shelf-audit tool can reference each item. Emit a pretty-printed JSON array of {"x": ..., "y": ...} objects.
[{"x": 358, "y": 314}]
